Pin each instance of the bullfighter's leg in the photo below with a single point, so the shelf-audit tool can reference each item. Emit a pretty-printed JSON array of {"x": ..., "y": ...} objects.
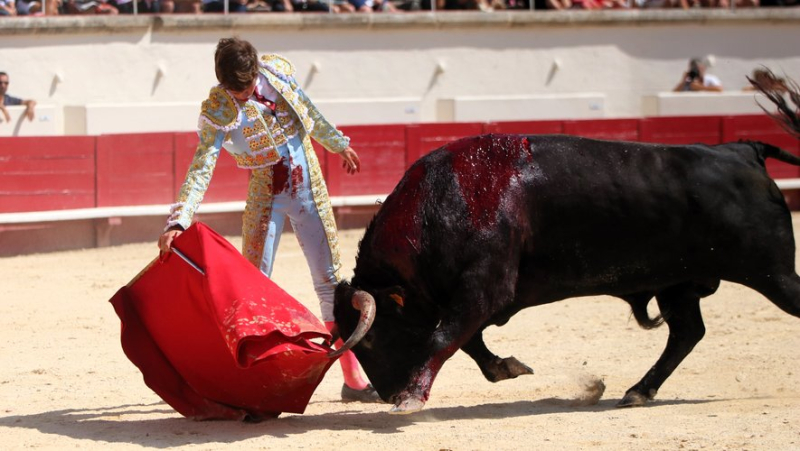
[
  {"x": 494, "y": 368},
  {"x": 680, "y": 306}
]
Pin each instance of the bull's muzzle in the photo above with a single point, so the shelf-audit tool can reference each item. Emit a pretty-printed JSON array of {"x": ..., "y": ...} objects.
[{"x": 364, "y": 303}]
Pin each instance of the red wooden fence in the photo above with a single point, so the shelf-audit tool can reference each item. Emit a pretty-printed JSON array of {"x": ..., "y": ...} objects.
[{"x": 54, "y": 173}]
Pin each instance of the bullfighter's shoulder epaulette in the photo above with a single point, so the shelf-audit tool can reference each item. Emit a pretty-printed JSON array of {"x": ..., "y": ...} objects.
[
  {"x": 220, "y": 109},
  {"x": 279, "y": 64}
]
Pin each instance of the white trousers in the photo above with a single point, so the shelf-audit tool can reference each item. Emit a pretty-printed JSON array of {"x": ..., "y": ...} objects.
[{"x": 297, "y": 203}]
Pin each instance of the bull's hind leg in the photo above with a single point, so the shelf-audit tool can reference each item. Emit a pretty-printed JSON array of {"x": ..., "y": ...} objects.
[
  {"x": 782, "y": 290},
  {"x": 680, "y": 307},
  {"x": 494, "y": 368}
]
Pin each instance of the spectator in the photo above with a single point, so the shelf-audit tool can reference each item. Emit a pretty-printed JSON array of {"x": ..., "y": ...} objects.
[
  {"x": 599, "y": 4},
  {"x": 483, "y": 5},
  {"x": 258, "y": 6},
  {"x": 368, "y": 6},
  {"x": 307, "y": 6},
  {"x": 7, "y": 100},
  {"x": 766, "y": 79},
  {"x": 552, "y": 4},
  {"x": 142, "y": 6},
  {"x": 182, "y": 6},
  {"x": 696, "y": 78},
  {"x": 218, "y": 6},
  {"x": 653, "y": 4},
  {"x": 7, "y": 8},
  {"x": 89, "y": 7},
  {"x": 727, "y": 3},
  {"x": 34, "y": 7}
]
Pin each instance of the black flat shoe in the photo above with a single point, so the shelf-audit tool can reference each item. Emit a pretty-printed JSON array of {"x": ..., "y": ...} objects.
[{"x": 368, "y": 394}]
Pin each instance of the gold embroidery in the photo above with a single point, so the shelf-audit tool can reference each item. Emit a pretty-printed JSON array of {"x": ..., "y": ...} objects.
[
  {"x": 257, "y": 214},
  {"x": 256, "y": 129},
  {"x": 219, "y": 109},
  {"x": 258, "y": 160},
  {"x": 280, "y": 63},
  {"x": 251, "y": 111}
]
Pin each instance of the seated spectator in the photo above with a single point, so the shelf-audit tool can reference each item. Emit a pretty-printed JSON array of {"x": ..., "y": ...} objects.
[
  {"x": 599, "y": 4},
  {"x": 52, "y": 7},
  {"x": 8, "y": 8},
  {"x": 89, "y": 7},
  {"x": 182, "y": 6},
  {"x": 308, "y": 6},
  {"x": 727, "y": 3},
  {"x": 142, "y": 6},
  {"x": 653, "y": 4},
  {"x": 766, "y": 79},
  {"x": 258, "y": 6},
  {"x": 7, "y": 100},
  {"x": 483, "y": 5},
  {"x": 556, "y": 5},
  {"x": 368, "y": 6},
  {"x": 28, "y": 7},
  {"x": 696, "y": 78},
  {"x": 779, "y": 3},
  {"x": 218, "y": 6}
]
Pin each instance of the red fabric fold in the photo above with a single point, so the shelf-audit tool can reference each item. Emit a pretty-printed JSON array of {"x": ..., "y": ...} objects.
[{"x": 229, "y": 344}]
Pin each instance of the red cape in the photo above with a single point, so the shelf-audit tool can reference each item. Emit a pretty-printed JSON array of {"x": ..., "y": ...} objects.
[{"x": 227, "y": 344}]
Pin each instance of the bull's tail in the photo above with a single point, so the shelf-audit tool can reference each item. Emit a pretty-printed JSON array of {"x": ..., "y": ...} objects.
[
  {"x": 770, "y": 151},
  {"x": 776, "y": 89},
  {"x": 638, "y": 305}
]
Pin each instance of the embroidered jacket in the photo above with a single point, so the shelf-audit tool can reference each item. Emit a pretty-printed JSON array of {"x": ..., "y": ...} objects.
[{"x": 251, "y": 134}]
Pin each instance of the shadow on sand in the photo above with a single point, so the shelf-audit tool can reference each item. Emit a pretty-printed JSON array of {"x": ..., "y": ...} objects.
[{"x": 108, "y": 424}]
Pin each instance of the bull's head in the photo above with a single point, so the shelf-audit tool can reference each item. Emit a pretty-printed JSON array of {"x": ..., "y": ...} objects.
[{"x": 397, "y": 341}]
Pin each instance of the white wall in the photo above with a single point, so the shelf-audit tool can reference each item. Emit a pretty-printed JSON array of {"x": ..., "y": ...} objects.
[
  {"x": 47, "y": 121},
  {"x": 391, "y": 68}
]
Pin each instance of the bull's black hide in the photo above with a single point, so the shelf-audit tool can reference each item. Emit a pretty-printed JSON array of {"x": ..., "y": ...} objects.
[{"x": 488, "y": 225}]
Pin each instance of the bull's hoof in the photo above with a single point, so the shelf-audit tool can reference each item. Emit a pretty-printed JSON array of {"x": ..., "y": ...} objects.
[
  {"x": 408, "y": 405},
  {"x": 633, "y": 399},
  {"x": 508, "y": 368}
]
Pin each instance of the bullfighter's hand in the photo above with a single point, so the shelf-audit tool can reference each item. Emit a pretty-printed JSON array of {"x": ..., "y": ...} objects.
[
  {"x": 351, "y": 162},
  {"x": 165, "y": 241}
]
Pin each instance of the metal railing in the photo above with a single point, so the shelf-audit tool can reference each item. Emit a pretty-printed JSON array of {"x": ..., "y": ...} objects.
[{"x": 331, "y": 3}]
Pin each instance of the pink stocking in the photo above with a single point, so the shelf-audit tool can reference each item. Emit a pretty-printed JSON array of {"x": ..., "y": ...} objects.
[{"x": 352, "y": 373}]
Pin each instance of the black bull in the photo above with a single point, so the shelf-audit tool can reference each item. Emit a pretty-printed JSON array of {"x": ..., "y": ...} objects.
[{"x": 489, "y": 225}]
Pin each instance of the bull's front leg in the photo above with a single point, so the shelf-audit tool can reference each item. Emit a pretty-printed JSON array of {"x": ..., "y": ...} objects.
[
  {"x": 451, "y": 335},
  {"x": 494, "y": 368}
]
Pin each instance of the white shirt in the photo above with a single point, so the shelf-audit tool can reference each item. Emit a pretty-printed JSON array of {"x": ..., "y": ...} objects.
[
  {"x": 711, "y": 80},
  {"x": 266, "y": 90}
]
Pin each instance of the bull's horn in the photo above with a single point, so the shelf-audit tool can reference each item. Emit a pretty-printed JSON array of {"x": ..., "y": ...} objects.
[{"x": 364, "y": 303}]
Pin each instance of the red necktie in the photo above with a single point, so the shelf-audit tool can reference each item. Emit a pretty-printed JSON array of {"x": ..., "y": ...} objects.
[{"x": 265, "y": 101}]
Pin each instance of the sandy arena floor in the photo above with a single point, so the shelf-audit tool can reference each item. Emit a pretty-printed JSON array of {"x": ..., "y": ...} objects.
[{"x": 65, "y": 383}]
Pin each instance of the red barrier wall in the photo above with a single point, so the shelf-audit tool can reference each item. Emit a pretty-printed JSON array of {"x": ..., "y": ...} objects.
[
  {"x": 47, "y": 173},
  {"x": 382, "y": 151},
  {"x": 763, "y": 128},
  {"x": 422, "y": 138},
  {"x": 53, "y": 173},
  {"x": 681, "y": 130},
  {"x": 613, "y": 129},
  {"x": 228, "y": 184},
  {"x": 134, "y": 169}
]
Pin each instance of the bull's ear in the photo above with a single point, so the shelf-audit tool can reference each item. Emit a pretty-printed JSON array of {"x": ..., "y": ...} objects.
[{"x": 397, "y": 299}]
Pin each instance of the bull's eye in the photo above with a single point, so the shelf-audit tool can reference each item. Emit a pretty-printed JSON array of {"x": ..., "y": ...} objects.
[{"x": 367, "y": 341}]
